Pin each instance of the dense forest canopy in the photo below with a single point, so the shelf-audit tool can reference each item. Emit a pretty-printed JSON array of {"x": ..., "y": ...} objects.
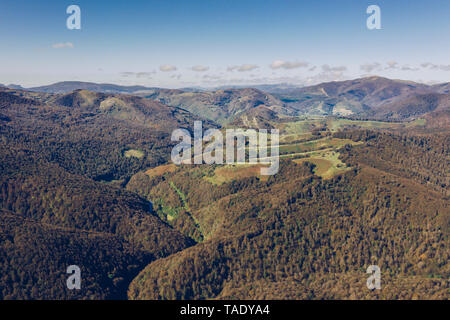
[{"x": 86, "y": 179}]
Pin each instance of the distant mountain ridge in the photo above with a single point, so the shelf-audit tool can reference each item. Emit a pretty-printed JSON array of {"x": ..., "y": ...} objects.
[
  {"x": 351, "y": 96},
  {"x": 68, "y": 86},
  {"x": 11, "y": 86},
  {"x": 282, "y": 88},
  {"x": 222, "y": 106},
  {"x": 369, "y": 98},
  {"x": 372, "y": 98}
]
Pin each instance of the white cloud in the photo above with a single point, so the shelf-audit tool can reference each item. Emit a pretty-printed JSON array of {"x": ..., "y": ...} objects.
[
  {"x": 429, "y": 65},
  {"x": 63, "y": 45},
  {"x": 408, "y": 68},
  {"x": 126, "y": 74},
  {"x": 243, "y": 68},
  {"x": 167, "y": 68},
  {"x": 200, "y": 68},
  {"x": 212, "y": 77},
  {"x": 278, "y": 64},
  {"x": 392, "y": 65},
  {"x": 327, "y": 68},
  {"x": 369, "y": 67},
  {"x": 328, "y": 74},
  {"x": 143, "y": 74}
]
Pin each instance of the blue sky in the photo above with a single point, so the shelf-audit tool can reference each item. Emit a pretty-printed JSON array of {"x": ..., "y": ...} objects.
[{"x": 218, "y": 42}]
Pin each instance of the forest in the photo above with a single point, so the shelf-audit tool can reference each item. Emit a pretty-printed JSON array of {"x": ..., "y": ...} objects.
[{"x": 86, "y": 179}]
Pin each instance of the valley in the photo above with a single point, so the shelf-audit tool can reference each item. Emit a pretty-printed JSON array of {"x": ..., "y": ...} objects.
[{"x": 79, "y": 168}]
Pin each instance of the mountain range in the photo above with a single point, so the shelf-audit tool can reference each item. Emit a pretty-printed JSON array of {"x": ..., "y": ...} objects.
[{"x": 366, "y": 98}]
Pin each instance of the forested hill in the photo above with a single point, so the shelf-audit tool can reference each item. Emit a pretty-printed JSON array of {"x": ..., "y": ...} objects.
[
  {"x": 56, "y": 154},
  {"x": 296, "y": 236}
]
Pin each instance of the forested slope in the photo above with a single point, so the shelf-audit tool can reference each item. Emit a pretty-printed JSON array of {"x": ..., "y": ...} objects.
[
  {"x": 85, "y": 180},
  {"x": 310, "y": 233},
  {"x": 53, "y": 211}
]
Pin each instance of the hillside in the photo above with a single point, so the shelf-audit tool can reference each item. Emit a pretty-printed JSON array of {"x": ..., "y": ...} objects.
[
  {"x": 34, "y": 257},
  {"x": 221, "y": 106},
  {"x": 373, "y": 98},
  {"x": 442, "y": 88},
  {"x": 58, "y": 219},
  {"x": 89, "y": 133},
  {"x": 352, "y": 97},
  {"x": 297, "y": 236},
  {"x": 412, "y": 107},
  {"x": 59, "y": 156}
]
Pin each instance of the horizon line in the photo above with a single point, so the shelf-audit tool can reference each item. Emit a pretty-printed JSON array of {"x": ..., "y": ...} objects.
[{"x": 230, "y": 85}]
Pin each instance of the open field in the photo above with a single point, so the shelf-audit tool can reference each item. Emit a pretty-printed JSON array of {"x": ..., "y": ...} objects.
[
  {"x": 336, "y": 124},
  {"x": 416, "y": 123},
  {"x": 228, "y": 173},
  {"x": 322, "y": 152},
  {"x": 134, "y": 153},
  {"x": 305, "y": 126},
  {"x": 160, "y": 170},
  {"x": 327, "y": 164},
  {"x": 317, "y": 144}
]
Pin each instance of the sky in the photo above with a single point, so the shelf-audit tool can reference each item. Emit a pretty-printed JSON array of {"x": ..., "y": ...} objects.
[{"x": 174, "y": 43}]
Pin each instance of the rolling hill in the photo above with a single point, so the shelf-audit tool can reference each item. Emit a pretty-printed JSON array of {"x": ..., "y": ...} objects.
[
  {"x": 88, "y": 133},
  {"x": 62, "y": 160},
  {"x": 412, "y": 107},
  {"x": 296, "y": 236},
  {"x": 358, "y": 98},
  {"x": 351, "y": 97},
  {"x": 221, "y": 106}
]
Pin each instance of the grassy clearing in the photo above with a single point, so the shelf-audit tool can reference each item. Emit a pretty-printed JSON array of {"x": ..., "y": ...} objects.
[
  {"x": 416, "y": 123},
  {"x": 229, "y": 173},
  {"x": 305, "y": 126},
  {"x": 134, "y": 153},
  {"x": 327, "y": 164},
  {"x": 324, "y": 143},
  {"x": 160, "y": 170},
  {"x": 336, "y": 124},
  {"x": 293, "y": 138}
]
